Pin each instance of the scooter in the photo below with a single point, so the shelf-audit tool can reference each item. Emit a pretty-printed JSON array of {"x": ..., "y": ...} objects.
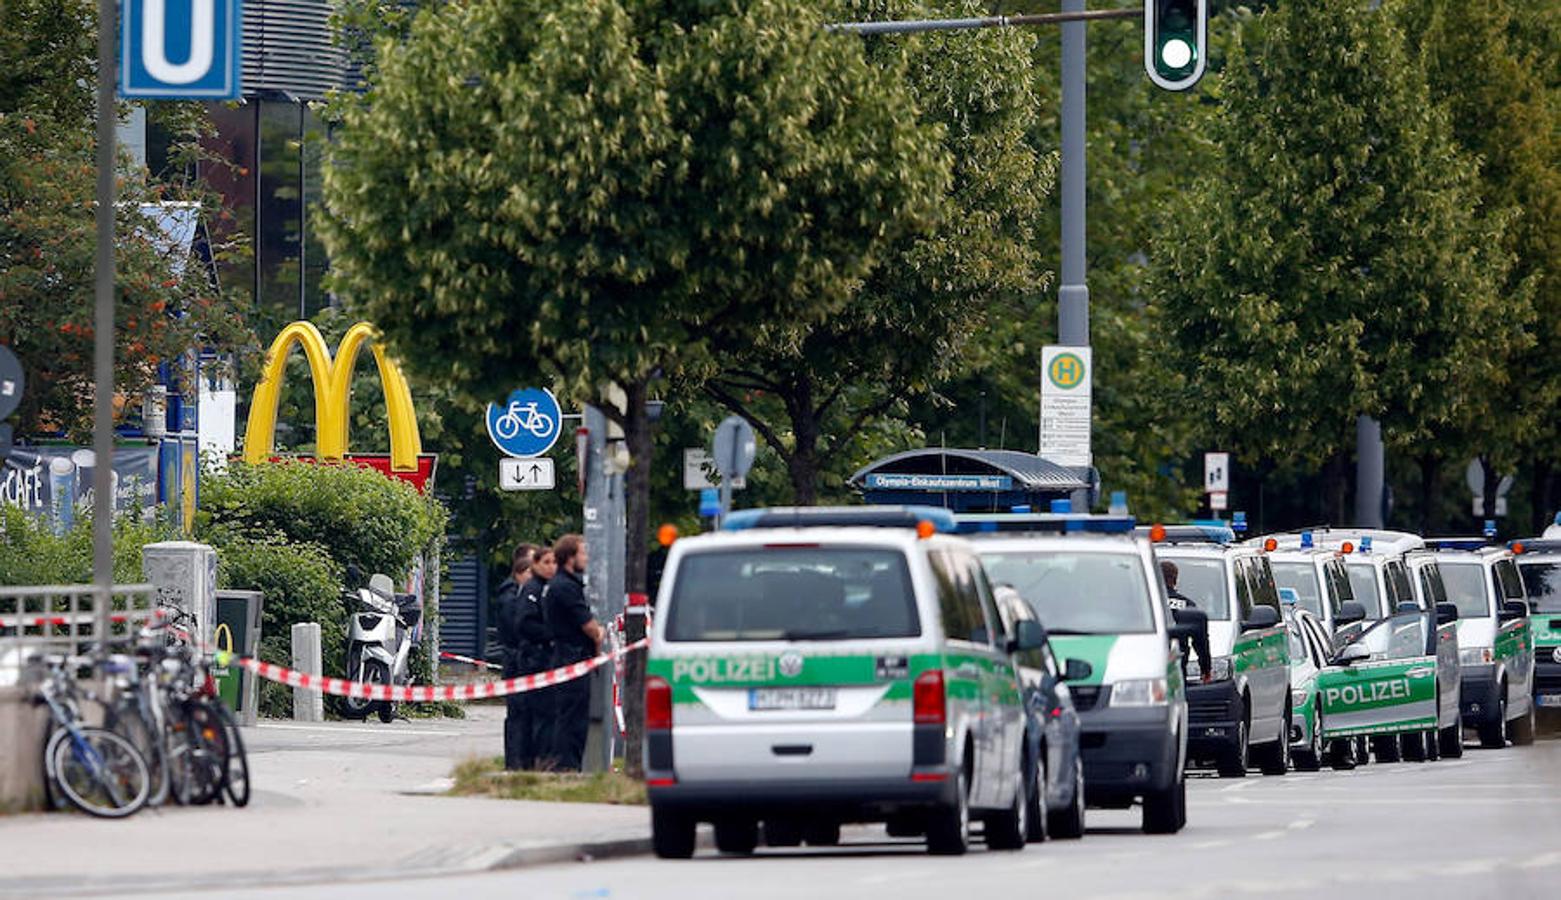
[{"x": 379, "y": 643}]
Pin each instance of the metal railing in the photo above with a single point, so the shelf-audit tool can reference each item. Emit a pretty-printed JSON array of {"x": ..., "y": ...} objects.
[{"x": 63, "y": 619}]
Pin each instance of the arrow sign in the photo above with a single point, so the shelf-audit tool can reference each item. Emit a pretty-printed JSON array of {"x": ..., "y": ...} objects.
[{"x": 532, "y": 474}]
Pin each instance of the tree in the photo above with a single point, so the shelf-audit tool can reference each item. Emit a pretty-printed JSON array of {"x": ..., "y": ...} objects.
[
  {"x": 47, "y": 238},
  {"x": 1502, "y": 111},
  {"x": 812, "y": 392},
  {"x": 1335, "y": 261},
  {"x": 595, "y": 192}
]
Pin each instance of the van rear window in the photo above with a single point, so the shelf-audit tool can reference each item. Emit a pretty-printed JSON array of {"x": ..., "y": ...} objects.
[{"x": 794, "y": 594}]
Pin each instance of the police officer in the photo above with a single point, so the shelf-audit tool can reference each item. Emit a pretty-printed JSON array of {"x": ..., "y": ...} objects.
[
  {"x": 537, "y": 655},
  {"x": 576, "y": 636},
  {"x": 525, "y": 641},
  {"x": 1179, "y": 601}
]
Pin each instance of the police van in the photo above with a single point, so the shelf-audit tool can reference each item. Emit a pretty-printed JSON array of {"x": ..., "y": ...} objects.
[
  {"x": 1540, "y": 565},
  {"x": 810, "y": 667},
  {"x": 1496, "y": 644},
  {"x": 1241, "y": 712},
  {"x": 1318, "y": 577},
  {"x": 1097, "y": 588}
]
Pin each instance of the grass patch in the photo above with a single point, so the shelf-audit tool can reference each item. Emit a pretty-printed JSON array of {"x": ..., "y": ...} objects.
[{"x": 487, "y": 778}]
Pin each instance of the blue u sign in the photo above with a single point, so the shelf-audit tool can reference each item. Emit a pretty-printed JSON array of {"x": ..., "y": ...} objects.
[
  {"x": 180, "y": 49},
  {"x": 527, "y": 424}
]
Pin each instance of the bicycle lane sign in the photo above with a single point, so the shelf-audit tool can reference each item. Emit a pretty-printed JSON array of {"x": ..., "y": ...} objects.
[{"x": 527, "y": 424}]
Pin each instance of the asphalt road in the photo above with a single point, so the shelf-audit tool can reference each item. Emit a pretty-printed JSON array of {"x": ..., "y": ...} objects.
[{"x": 1488, "y": 825}]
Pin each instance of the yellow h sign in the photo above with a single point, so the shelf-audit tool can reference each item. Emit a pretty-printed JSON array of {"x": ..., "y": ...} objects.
[
  {"x": 332, "y": 396},
  {"x": 1067, "y": 370}
]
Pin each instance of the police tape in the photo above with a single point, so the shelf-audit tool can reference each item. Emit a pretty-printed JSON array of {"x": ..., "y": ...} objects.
[
  {"x": 359, "y": 690},
  {"x": 480, "y": 663}
]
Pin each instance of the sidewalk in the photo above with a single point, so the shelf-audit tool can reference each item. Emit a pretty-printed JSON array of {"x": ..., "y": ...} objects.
[{"x": 332, "y": 802}]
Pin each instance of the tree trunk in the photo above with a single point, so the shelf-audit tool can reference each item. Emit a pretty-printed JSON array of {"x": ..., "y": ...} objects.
[
  {"x": 636, "y": 557},
  {"x": 1430, "y": 493},
  {"x": 803, "y": 464},
  {"x": 1541, "y": 474}
]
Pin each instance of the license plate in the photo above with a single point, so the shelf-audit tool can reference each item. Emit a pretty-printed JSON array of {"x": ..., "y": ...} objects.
[
  {"x": 770, "y": 699},
  {"x": 1549, "y": 700}
]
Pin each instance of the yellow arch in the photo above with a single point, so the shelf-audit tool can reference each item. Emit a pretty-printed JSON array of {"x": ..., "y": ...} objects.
[{"x": 332, "y": 396}]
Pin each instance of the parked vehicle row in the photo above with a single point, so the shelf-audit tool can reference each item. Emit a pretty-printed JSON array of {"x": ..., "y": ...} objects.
[{"x": 935, "y": 671}]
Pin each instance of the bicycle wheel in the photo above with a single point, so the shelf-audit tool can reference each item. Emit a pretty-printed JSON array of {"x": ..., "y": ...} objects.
[
  {"x": 196, "y": 753},
  {"x": 236, "y": 782},
  {"x": 133, "y": 725},
  {"x": 99, "y": 772}
]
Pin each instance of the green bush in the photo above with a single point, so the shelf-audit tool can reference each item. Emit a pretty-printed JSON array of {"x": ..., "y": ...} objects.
[
  {"x": 32, "y": 554},
  {"x": 355, "y": 514}
]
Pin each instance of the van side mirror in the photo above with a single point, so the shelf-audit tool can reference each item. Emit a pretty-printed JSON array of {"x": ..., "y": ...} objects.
[
  {"x": 1513, "y": 610},
  {"x": 1446, "y": 612},
  {"x": 1262, "y": 617},
  {"x": 1076, "y": 670},
  {"x": 1028, "y": 635},
  {"x": 1349, "y": 613},
  {"x": 1353, "y": 654},
  {"x": 1406, "y": 607}
]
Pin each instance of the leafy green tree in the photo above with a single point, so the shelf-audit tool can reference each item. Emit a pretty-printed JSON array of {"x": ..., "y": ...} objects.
[
  {"x": 165, "y": 305},
  {"x": 817, "y": 393},
  {"x": 1492, "y": 81},
  {"x": 1335, "y": 261},
  {"x": 594, "y": 192}
]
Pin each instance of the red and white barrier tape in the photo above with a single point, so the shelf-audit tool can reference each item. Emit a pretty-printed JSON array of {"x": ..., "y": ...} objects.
[
  {"x": 480, "y": 663},
  {"x": 341, "y": 687}
]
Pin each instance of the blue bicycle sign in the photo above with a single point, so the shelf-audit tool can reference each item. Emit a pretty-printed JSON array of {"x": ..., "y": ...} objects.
[{"x": 527, "y": 424}]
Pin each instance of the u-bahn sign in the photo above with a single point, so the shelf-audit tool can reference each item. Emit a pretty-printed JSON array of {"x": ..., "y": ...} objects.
[{"x": 180, "y": 49}]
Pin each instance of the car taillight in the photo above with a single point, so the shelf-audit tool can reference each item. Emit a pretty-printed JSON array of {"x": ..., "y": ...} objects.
[
  {"x": 927, "y": 700},
  {"x": 658, "y": 704}
]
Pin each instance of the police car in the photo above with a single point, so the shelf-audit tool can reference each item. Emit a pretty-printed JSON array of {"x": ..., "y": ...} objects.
[
  {"x": 1309, "y": 656},
  {"x": 1241, "y": 713},
  {"x": 1496, "y": 644},
  {"x": 1098, "y": 588},
  {"x": 817, "y": 666},
  {"x": 1540, "y": 565},
  {"x": 1318, "y": 577}
]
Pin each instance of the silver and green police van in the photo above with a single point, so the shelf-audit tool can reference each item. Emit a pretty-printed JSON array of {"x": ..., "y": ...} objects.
[
  {"x": 1495, "y": 642},
  {"x": 1241, "y": 712},
  {"x": 1540, "y": 565},
  {"x": 1383, "y": 684},
  {"x": 1097, "y": 589},
  {"x": 1316, "y": 574},
  {"x": 812, "y": 667}
]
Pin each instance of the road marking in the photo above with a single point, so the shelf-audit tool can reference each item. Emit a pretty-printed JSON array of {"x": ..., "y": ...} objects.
[
  {"x": 387, "y": 733},
  {"x": 1540, "y": 862},
  {"x": 1269, "y": 836},
  {"x": 1210, "y": 845},
  {"x": 1301, "y": 824}
]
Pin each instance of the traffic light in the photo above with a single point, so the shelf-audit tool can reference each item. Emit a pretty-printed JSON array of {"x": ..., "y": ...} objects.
[{"x": 1176, "y": 35}]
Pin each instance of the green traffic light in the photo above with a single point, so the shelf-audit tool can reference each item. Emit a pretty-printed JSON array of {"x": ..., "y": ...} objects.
[{"x": 1177, "y": 54}]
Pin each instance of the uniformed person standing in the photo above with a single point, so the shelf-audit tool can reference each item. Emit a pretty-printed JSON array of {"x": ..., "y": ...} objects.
[
  {"x": 525, "y": 641},
  {"x": 576, "y": 636},
  {"x": 537, "y": 656}
]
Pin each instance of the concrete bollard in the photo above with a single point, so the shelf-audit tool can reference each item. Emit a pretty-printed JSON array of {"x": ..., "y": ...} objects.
[
  {"x": 22, "y": 729},
  {"x": 308, "y": 705}
]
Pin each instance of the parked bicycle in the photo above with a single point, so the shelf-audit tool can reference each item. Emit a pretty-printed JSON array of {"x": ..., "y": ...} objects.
[{"x": 95, "y": 769}]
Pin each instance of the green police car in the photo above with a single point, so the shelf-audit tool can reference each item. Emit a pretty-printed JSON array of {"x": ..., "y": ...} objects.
[
  {"x": 1539, "y": 562},
  {"x": 1098, "y": 589},
  {"x": 1496, "y": 644},
  {"x": 813, "y": 667}
]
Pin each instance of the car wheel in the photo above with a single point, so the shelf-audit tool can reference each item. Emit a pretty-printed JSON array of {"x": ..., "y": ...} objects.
[
  {"x": 1341, "y": 754},
  {"x": 671, "y": 834},
  {"x": 1068, "y": 823},
  {"x": 1493, "y": 734},
  {"x": 1452, "y": 739},
  {"x": 1521, "y": 729},
  {"x": 1007, "y": 830},
  {"x": 1362, "y": 751},
  {"x": 782, "y": 833},
  {"x": 736, "y": 836},
  {"x": 1311, "y": 759},
  {"x": 1386, "y": 748},
  {"x": 1233, "y": 761},
  {"x": 822, "y": 834},
  {"x": 1412, "y": 747},
  {"x": 1274, "y": 759},
  {"x": 1165, "y": 812},
  {"x": 1038, "y": 813},
  {"x": 948, "y": 828}
]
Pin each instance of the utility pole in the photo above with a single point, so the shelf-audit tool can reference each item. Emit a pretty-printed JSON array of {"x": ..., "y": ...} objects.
[
  {"x": 103, "y": 329},
  {"x": 1073, "y": 289}
]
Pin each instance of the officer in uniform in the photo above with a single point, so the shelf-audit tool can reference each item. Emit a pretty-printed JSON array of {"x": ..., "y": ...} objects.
[
  {"x": 576, "y": 636},
  {"x": 525, "y": 640}
]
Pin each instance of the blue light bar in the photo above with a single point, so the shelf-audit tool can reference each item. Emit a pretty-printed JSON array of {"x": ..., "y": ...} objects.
[
  {"x": 1365, "y": 543},
  {"x": 1306, "y": 540},
  {"x": 1238, "y": 522},
  {"x": 1457, "y": 543},
  {"x": 1062, "y": 507},
  {"x": 840, "y": 517},
  {"x": 1205, "y": 531},
  {"x": 1041, "y": 523},
  {"x": 1490, "y": 528}
]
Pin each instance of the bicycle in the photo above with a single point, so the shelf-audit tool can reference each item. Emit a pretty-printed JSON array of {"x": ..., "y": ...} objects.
[
  {"x": 99, "y": 772},
  {"x": 523, "y": 415}
]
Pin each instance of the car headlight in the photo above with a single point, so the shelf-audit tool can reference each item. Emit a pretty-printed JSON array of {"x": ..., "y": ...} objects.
[
  {"x": 1475, "y": 656},
  {"x": 1298, "y": 699},
  {"x": 1220, "y": 669},
  {"x": 1139, "y": 692}
]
